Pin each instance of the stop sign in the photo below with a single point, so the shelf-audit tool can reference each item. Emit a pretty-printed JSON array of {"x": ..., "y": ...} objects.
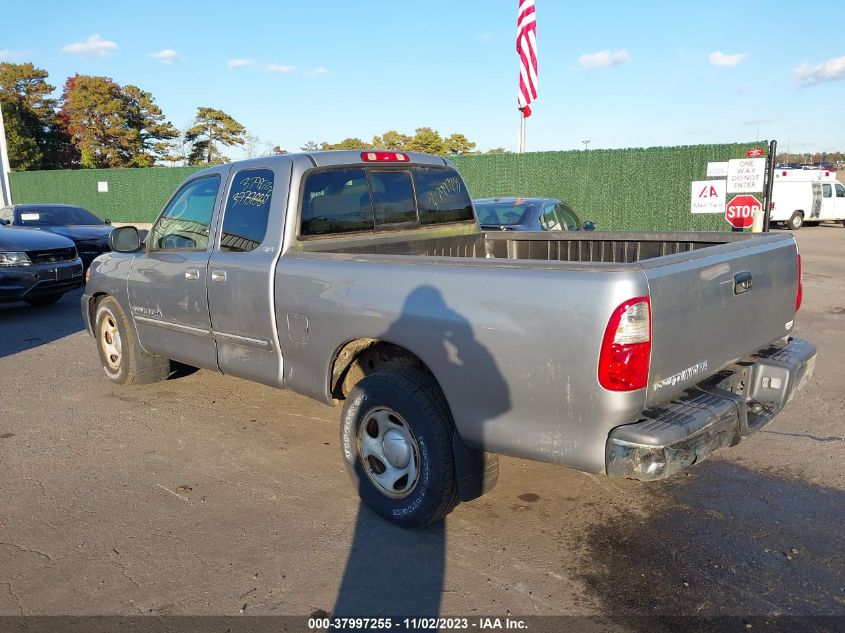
[{"x": 740, "y": 211}]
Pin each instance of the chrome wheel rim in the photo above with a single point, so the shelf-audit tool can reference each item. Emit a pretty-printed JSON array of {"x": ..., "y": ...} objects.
[
  {"x": 110, "y": 342},
  {"x": 388, "y": 452}
]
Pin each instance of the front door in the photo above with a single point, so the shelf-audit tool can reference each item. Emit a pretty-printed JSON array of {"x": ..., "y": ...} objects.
[
  {"x": 840, "y": 200},
  {"x": 241, "y": 274},
  {"x": 828, "y": 210},
  {"x": 167, "y": 287}
]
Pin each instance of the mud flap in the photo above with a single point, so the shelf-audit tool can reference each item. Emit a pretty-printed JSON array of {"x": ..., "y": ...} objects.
[{"x": 476, "y": 471}]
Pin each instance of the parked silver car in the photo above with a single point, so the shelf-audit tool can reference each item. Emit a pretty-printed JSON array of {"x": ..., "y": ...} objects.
[{"x": 528, "y": 214}]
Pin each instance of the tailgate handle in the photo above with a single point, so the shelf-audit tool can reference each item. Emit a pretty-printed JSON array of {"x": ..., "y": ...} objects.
[{"x": 742, "y": 282}]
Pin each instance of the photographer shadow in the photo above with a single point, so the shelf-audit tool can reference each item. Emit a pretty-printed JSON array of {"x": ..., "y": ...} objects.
[{"x": 400, "y": 572}]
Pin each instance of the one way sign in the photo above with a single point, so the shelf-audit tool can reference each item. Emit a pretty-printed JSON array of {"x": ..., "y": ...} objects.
[{"x": 708, "y": 196}]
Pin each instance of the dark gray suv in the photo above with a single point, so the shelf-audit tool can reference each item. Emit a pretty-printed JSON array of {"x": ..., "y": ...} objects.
[{"x": 37, "y": 267}]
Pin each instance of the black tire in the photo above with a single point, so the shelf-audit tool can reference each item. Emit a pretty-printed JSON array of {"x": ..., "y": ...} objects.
[
  {"x": 843, "y": 224},
  {"x": 796, "y": 221},
  {"x": 44, "y": 300},
  {"x": 414, "y": 399},
  {"x": 124, "y": 362}
]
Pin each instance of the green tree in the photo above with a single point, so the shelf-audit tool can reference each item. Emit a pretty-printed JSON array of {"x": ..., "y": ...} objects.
[
  {"x": 96, "y": 116},
  {"x": 496, "y": 150},
  {"x": 310, "y": 146},
  {"x": 28, "y": 113},
  {"x": 391, "y": 140},
  {"x": 155, "y": 133},
  {"x": 428, "y": 141},
  {"x": 211, "y": 129},
  {"x": 347, "y": 143},
  {"x": 459, "y": 144},
  {"x": 113, "y": 126}
]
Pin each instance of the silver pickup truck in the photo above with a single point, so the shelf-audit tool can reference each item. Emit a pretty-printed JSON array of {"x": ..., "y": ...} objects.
[{"x": 363, "y": 279}]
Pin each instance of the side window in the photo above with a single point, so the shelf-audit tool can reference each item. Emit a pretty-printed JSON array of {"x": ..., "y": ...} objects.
[
  {"x": 336, "y": 201},
  {"x": 568, "y": 219},
  {"x": 827, "y": 191},
  {"x": 184, "y": 223},
  {"x": 247, "y": 210},
  {"x": 550, "y": 221},
  {"x": 840, "y": 191},
  {"x": 393, "y": 197},
  {"x": 441, "y": 196}
]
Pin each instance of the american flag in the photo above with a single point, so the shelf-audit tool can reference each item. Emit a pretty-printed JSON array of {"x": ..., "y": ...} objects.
[{"x": 526, "y": 48}]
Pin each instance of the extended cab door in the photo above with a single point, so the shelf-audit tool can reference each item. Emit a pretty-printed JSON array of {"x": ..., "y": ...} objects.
[
  {"x": 167, "y": 293},
  {"x": 242, "y": 271}
]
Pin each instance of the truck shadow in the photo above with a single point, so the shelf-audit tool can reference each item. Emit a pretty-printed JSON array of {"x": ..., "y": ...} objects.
[
  {"x": 25, "y": 327},
  {"x": 724, "y": 541},
  {"x": 393, "y": 571}
]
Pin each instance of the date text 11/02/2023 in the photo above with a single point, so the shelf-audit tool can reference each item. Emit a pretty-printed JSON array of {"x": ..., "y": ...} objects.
[{"x": 417, "y": 624}]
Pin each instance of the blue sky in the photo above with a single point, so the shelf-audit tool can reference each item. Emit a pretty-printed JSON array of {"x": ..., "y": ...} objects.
[{"x": 621, "y": 74}]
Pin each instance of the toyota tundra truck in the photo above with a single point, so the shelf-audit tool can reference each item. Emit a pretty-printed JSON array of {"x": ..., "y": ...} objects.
[{"x": 363, "y": 280}]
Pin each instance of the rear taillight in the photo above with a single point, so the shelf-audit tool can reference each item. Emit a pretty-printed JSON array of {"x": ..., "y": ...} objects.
[
  {"x": 799, "y": 296},
  {"x": 626, "y": 348}
]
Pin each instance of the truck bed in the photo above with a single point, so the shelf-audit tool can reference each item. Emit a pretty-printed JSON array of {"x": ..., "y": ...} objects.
[{"x": 619, "y": 248}]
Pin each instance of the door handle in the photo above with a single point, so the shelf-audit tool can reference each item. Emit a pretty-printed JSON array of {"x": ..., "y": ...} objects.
[
  {"x": 742, "y": 282},
  {"x": 192, "y": 274},
  {"x": 218, "y": 275}
]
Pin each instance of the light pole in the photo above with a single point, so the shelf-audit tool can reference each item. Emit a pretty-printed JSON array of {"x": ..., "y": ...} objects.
[
  {"x": 5, "y": 191},
  {"x": 586, "y": 144}
]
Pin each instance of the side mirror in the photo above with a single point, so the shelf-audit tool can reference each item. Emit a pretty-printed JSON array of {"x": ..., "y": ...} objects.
[
  {"x": 125, "y": 239},
  {"x": 589, "y": 226},
  {"x": 107, "y": 221}
]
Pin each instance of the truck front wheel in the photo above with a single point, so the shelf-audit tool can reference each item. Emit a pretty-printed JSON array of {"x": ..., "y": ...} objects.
[
  {"x": 124, "y": 362},
  {"x": 796, "y": 221},
  {"x": 395, "y": 434}
]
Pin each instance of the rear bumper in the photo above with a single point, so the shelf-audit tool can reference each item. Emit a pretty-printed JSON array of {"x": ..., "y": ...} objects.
[{"x": 714, "y": 414}]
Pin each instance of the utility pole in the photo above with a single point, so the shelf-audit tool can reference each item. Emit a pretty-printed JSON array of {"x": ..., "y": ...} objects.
[
  {"x": 586, "y": 144},
  {"x": 5, "y": 191}
]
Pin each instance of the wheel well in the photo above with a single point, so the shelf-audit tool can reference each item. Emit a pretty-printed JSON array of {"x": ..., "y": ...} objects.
[
  {"x": 92, "y": 306},
  {"x": 363, "y": 356}
]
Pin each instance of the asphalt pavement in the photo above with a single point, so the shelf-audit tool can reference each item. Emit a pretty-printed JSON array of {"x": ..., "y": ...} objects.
[{"x": 209, "y": 495}]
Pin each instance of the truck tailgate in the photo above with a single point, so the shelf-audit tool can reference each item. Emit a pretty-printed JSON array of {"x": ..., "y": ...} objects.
[{"x": 713, "y": 306}]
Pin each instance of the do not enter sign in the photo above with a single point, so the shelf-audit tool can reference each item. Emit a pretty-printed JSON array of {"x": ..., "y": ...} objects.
[{"x": 740, "y": 211}]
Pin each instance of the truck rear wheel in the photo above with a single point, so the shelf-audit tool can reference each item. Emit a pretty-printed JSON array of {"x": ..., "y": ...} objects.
[
  {"x": 395, "y": 434},
  {"x": 796, "y": 221},
  {"x": 124, "y": 362}
]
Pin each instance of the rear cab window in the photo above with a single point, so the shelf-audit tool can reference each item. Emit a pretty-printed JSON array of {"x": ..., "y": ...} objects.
[{"x": 341, "y": 200}]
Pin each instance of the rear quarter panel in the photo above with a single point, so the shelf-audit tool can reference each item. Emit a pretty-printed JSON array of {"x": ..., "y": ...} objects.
[{"x": 514, "y": 346}]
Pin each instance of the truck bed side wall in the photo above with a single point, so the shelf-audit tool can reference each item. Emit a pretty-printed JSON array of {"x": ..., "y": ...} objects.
[{"x": 515, "y": 348}]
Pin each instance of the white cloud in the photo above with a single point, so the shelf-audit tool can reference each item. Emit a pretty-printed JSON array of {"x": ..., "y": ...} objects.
[
  {"x": 603, "y": 59},
  {"x": 168, "y": 56},
  {"x": 239, "y": 63},
  {"x": 718, "y": 58},
  {"x": 279, "y": 68},
  {"x": 317, "y": 72},
  {"x": 94, "y": 46},
  {"x": 7, "y": 55},
  {"x": 831, "y": 70}
]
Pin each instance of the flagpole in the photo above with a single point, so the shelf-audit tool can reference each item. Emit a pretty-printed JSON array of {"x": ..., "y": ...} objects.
[{"x": 521, "y": 132}]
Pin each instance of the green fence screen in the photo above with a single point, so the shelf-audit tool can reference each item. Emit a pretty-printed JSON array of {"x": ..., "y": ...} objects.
[{"x": 641, "y": 189}]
